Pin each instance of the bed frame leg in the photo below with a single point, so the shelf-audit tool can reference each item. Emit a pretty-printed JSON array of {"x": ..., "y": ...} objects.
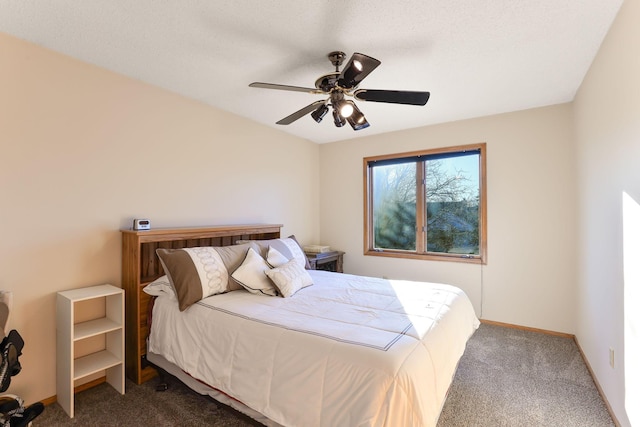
[
  {"x": 163, "y": 375},
  {"x": 163, "y": 385}
]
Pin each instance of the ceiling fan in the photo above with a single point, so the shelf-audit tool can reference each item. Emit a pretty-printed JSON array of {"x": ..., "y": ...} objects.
[{"x": 340, "y": 84}]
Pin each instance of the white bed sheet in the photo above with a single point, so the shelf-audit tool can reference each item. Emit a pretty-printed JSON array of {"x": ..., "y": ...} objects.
[{"x": 347, "y": 351}]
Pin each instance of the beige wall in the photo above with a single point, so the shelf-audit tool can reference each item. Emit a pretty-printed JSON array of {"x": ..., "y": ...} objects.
[
  {"x": 83, "y": 151},
  {"x": 530, "y": 277},
  {"x": 607, "y": 121}
]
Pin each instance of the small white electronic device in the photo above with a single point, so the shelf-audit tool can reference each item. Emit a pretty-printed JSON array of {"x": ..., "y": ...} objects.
[{"x": 141, "y": 224}]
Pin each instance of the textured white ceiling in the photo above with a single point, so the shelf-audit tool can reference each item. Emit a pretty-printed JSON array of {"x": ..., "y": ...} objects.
[{"x": 475, "y": 57}]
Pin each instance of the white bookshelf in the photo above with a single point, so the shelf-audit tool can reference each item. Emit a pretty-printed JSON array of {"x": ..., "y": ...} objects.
[{"x": 69, "y": 367}]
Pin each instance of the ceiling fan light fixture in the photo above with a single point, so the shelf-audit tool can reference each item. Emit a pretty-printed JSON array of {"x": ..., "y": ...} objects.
[
  {"x": 349, "y": 74},
  {"x": 338, "y": 120},
  {"x": 344, "y": 108},
  {"x": 359, "y": 126},
  {"x": 362, "y": 123},
  {"x": 357, "y": 119},
  {"x": 320, "y": 112}
]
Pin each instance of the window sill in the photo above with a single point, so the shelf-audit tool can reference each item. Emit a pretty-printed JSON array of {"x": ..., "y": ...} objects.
[{"x": 469, "y": 259}]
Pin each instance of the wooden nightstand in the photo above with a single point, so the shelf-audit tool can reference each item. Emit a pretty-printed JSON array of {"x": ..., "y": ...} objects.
[{"x": 327, "y": 261}]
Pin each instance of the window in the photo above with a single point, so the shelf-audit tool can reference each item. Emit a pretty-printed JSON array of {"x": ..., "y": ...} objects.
[{"x": 428, "y": 204}]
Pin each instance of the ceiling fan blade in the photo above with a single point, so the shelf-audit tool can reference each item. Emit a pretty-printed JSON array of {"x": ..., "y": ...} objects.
[
  {"x": 302, "y": 112},
  {"x": 284, "y": 87},
  {"x": 358, "y": 67},
  {"x": 392, "y": 96}
]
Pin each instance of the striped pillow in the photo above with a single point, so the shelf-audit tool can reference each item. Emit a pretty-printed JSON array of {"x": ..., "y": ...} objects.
[
  {"x": 289, "y": 247},
  {"x": 196, "y": 273}
]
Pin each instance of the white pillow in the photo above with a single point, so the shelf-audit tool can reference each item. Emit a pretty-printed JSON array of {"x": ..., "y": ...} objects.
[
  {"x": 251, "y": 275},
  {"x": 290, "y": 278},
  {"x": 160, "y": 286},
  {"x": 289, "y": 247},
  {"x": 275, "y": 258}
]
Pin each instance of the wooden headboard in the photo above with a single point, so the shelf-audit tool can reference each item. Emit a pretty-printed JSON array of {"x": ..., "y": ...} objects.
[{"x": 140, "y": 265}]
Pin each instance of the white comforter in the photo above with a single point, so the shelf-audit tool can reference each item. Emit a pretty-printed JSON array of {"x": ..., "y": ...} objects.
[{"x": 347, "y": 351}]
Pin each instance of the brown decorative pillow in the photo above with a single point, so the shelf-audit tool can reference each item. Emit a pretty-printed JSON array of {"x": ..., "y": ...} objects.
[{"x": 196, "y": 273}]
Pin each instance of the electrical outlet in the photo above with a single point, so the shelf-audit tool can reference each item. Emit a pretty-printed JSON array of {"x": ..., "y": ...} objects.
[{"x": 611, "y": 357}]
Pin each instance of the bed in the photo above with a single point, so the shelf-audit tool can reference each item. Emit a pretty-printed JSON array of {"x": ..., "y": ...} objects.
[{"x": 343, "y": 350}]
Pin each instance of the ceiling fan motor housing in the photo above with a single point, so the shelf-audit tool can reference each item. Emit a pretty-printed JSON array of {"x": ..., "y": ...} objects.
[
  {"x": 327, "y": 82},
  {"x": 337, "y": 58}
]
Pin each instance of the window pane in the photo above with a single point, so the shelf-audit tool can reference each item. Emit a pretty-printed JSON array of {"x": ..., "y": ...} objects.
[
  {"x": 394, "y": 206},
  {"x": 453, "y": 200},
  {"x": 428, "y": 204}
]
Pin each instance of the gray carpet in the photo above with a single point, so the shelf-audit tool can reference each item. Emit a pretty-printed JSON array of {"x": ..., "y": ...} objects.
[
  {"x": 507, "y": 377},
  {"x": 510, "y": 377}
]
